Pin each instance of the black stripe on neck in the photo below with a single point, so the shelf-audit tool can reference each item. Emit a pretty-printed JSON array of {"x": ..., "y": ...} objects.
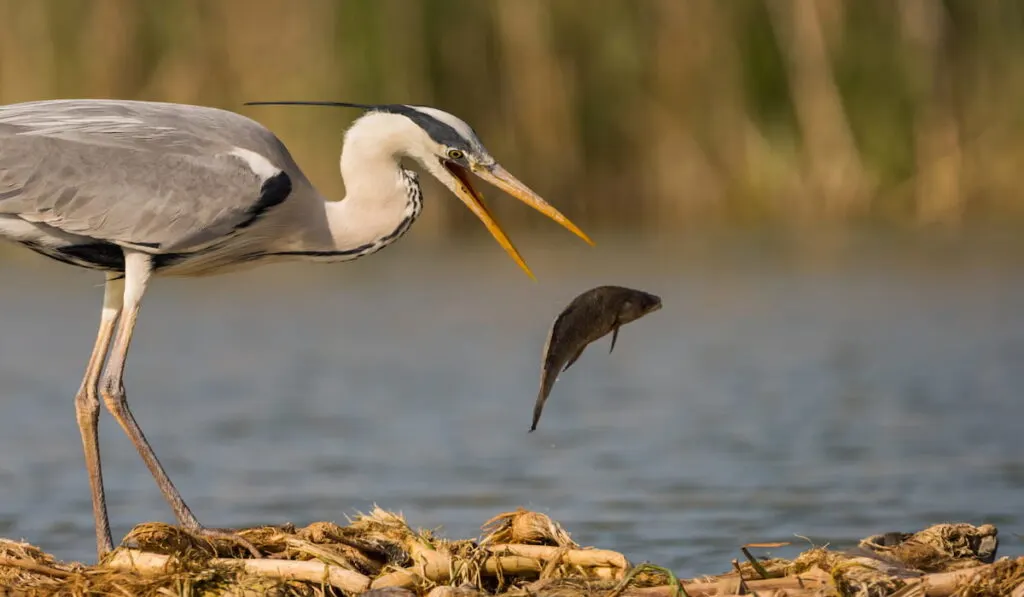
[{"x": 347, "y": 252}]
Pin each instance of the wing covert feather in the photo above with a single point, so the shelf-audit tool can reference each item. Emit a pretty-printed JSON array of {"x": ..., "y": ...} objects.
[{"x": 132, "y": 173}]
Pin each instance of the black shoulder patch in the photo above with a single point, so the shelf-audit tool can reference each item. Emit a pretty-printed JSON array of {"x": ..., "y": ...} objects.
[{"x": 273, "y": 192}]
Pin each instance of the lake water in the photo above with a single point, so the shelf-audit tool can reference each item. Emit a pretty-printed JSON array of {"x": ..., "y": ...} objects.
[{"x": 830, "y": 398}]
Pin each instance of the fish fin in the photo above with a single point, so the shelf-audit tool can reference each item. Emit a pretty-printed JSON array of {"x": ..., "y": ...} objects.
[
  {"x": 615, "y": 336},
  {"x": 574, "y": 357}
]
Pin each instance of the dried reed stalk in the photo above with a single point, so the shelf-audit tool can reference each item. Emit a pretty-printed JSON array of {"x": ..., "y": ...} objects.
[
  {"x": 586, "y": 558},
  {"x": 34, "y": 567},
  {"x": 807, "y": 583},
  {"x": 437, "y": 568},
  {"x": 147, "y": 564},
  {"x": 507, "y": 559},
  {"x": 936, "y": 584}
]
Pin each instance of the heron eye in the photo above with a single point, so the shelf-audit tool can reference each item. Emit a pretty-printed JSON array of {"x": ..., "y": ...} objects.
[{"x": 454, "y": 154}]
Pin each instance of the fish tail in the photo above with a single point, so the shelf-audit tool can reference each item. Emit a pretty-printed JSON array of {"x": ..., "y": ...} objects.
[
  {"x": 538, "y": 407},
  {"x": 547, "y": 381}
]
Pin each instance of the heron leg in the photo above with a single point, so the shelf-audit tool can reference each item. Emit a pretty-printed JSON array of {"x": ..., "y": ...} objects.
[
  {"x": 138, "y": 267},
  {"x": 87, "y": 411}
]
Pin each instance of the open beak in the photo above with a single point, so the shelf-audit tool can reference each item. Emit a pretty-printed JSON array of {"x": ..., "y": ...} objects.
[{"x": 502, "y": 179}]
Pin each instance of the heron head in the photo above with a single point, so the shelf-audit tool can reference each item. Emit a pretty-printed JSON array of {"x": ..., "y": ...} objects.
[
  {"x": 451, "y": 151},
  {"x": 455, "y": 154}
]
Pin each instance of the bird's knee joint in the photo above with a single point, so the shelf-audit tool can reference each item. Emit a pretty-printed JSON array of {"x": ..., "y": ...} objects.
[
  {"x": 113, "y": 394},
  {"x": 87, "y": 404}
]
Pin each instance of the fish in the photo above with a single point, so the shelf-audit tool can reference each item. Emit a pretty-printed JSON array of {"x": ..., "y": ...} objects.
[{"x": 589, "y": 317}]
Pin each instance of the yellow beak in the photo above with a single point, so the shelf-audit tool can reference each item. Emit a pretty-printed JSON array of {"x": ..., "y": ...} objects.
[{"x": 502, "y": 179}]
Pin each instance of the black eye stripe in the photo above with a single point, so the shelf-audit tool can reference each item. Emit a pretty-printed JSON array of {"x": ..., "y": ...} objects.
[{"x": 439, "y": 131}]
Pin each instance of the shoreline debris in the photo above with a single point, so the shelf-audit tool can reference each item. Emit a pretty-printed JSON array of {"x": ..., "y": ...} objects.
[{"x": 522, "y": 554}]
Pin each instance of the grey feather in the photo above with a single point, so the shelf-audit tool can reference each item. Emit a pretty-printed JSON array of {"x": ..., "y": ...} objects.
[{"x": 87, "y": 168}]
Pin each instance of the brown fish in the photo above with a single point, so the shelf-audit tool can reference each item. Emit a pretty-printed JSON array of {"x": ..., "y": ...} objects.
[{"x": 587, "y": 318}]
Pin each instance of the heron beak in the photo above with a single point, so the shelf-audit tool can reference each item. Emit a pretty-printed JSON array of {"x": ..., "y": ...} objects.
[{"x": 502, "y": 179}]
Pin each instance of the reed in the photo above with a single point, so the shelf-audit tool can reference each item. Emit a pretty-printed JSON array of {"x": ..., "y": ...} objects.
[
  {"x": 654, "y": 116},
  {"x": 522, "y": 554}
]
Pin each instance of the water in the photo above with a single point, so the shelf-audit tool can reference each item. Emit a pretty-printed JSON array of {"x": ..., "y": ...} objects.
[{"x": 770, "y": 398}]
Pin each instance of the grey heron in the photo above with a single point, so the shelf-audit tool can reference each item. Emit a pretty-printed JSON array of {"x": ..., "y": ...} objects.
[{"x": 140, "y": 189}]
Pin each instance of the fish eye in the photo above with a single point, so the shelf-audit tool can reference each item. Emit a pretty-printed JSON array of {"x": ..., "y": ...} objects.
[{"x": 454, "y": 154}]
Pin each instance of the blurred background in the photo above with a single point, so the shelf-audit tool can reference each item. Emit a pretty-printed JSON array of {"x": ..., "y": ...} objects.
[
  {"x": 824, "y": 193},
  {"x": 658, "y": 115}
]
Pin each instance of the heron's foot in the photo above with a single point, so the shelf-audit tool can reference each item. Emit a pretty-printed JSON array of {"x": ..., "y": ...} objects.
[{"x": 230, "y": 535}]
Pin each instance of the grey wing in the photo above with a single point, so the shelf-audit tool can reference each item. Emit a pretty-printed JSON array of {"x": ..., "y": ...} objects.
[{"x": 157, "y": 177}]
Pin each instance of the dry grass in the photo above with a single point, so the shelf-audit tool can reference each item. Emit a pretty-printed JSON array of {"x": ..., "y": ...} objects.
[{"x": 521, "y": 554}]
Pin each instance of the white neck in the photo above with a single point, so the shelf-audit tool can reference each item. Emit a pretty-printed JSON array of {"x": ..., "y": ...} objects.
[{"x": 377, "y": 208}]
